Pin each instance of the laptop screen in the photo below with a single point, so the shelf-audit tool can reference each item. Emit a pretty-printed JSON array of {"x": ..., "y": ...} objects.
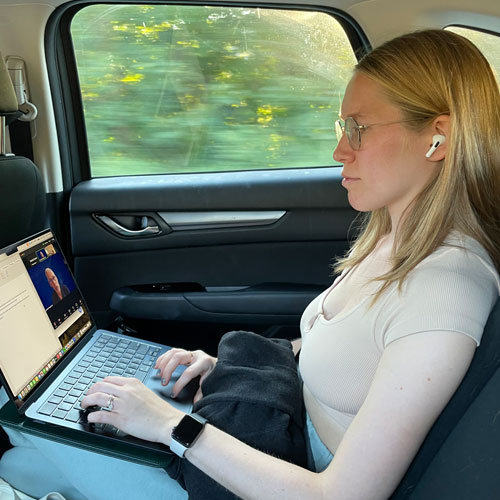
[{"x": 42, "y": 313}]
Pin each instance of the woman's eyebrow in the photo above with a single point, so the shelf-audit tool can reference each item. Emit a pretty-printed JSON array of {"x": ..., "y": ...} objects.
[{"x": 356, "y": 116}]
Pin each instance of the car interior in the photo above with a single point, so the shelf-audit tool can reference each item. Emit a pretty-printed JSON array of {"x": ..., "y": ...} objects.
[{"x": 176, "y": 227}]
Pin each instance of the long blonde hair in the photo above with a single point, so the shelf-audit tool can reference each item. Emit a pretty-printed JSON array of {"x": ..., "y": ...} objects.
[{"x": 427, "y": 74}]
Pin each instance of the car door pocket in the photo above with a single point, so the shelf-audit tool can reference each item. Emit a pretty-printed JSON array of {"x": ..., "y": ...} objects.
[
  {"x": 168, "y": 288},
  {"x": 261, "y": 304}
]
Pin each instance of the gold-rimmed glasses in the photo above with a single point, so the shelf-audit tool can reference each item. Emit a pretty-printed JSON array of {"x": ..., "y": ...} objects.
[{"x": 351, "y": 128}]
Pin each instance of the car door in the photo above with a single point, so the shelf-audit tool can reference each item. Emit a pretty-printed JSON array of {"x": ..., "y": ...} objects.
[{"x": 198, "y": 142}]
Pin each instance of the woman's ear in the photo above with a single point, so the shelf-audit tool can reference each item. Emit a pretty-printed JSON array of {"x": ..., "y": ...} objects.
[{"x": 438, "y": 134}]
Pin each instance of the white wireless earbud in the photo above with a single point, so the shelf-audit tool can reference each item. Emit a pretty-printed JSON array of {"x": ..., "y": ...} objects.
[{"x": 437, "y": 140}]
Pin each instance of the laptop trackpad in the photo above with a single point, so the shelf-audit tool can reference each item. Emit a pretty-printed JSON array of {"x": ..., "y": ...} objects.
[{"x": 184, "y": 400}]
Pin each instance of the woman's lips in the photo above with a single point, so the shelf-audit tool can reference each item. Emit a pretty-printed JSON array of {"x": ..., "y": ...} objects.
[{"x": 348, "y": 180}]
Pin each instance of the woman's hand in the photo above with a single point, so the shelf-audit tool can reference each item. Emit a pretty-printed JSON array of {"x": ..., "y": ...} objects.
[
  {"x": 134, "y": 409},
  {"x": 198, "y": 363}
]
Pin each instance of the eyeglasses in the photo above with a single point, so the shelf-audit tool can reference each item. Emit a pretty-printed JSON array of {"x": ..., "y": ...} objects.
[{"x": 353, "y": 130}]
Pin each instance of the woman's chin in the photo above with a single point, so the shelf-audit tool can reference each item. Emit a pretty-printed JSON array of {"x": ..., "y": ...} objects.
[{"x": 359, "y": 205}]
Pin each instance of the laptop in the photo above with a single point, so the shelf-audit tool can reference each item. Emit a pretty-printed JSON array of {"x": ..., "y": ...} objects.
[{"x": 51, "y": 351}]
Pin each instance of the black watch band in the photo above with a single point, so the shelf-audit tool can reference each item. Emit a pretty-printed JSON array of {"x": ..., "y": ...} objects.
[{"x": 186, "y": 432}]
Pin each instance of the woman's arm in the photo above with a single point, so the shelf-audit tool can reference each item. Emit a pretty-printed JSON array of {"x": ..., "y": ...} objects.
[
  {"x": 296, "y": 346},
  {"x": 416, "y": 377}
]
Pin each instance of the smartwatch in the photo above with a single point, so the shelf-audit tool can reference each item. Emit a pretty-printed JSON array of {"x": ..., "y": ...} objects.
[{"x": 186, "y": 432}]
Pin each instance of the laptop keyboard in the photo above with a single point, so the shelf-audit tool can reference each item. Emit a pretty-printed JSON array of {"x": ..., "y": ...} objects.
[{"x": 108, "y": 356}]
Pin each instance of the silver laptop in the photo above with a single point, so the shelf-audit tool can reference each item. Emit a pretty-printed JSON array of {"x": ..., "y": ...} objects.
[{"x": 50, "y": 349}]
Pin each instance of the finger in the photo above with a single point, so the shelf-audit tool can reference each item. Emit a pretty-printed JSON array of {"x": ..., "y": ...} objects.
[
  {"x": 172, "y": 352},
  {"x": 119, "y": 381},
  {"x": 102, "y": 387},
  {"x": 89, "y": 400},
  {"x": 168, "y": 369},
  {"x": 202, "y": 366},
  {"x": 205, "y": 374},
  {"x": 178, "y": 358},
  {"x": 102, "y": 417},
  {"x": 188, "y": 374},
  {"x": 162, "y": 363},
  {"x": 163, "y": 358},
  {"x": 101, "y": 399},
  {"x": 197, "y": 396},
  {"x": 112, "y": 385}
]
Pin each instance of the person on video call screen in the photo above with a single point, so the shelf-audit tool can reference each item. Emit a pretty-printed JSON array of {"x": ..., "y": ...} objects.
[{"x": 59, "y": 291}]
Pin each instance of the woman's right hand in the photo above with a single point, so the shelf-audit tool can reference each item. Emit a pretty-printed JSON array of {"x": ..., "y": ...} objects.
[{"x": 198, "y": 363}]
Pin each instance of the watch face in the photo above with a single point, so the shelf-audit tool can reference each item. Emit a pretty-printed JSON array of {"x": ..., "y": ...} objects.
[{"x": 187, "y": 430}]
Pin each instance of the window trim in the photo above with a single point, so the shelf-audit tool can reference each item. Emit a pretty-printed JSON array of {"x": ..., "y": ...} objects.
[{"x": 473, "y": 28}]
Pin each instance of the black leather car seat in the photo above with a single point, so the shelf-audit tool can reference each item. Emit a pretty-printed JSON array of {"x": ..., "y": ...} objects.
[{"x": 460, "y": 457}]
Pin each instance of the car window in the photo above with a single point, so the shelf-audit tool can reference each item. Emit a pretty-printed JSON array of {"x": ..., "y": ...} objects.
[
  {"x": 487, "y": 43},
  {"x": 169, "y": 88}
]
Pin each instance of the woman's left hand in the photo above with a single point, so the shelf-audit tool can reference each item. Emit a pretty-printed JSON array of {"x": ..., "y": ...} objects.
[{"x": 135, "y": 409}]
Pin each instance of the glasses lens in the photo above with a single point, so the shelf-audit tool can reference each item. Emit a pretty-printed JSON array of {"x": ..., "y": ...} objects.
[
  {"x": 353, "y": 134},
  {"x": 339, "y": 129}
]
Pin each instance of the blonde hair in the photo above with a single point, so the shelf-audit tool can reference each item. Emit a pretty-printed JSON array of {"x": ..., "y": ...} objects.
[{"x": 427, "y": 74}]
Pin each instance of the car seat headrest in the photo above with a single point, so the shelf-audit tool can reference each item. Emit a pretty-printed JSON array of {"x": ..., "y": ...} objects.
[{"x": 8, "y": 99}]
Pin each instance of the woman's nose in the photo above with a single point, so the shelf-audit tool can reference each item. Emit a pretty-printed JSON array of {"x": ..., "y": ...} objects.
[{"x": 343, "y": 153}]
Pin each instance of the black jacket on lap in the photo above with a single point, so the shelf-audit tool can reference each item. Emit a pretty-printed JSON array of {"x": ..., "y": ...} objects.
[{"x": 254, "y": 393}]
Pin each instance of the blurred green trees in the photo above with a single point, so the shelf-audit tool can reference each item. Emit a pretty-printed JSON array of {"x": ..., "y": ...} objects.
[{"x": 201, "y": 88}]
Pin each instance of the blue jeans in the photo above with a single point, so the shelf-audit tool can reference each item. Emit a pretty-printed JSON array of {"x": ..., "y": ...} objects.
[{"x": 321, "y": 455}]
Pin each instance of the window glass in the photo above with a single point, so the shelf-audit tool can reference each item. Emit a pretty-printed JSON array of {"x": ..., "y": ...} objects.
[
  {"x": 488, "y": 44},
  {"x": 169, "y": 88}
]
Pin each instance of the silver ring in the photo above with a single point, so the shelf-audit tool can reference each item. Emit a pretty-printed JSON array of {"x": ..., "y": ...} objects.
[{"x": 109, "y": 405}]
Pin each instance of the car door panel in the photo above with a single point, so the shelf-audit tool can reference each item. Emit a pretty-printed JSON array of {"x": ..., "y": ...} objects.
[
  {"x": 261, "y": 263},
  {"x": 277, "y": 303}
]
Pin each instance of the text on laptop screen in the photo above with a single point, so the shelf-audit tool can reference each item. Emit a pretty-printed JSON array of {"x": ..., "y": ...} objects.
[{"x": 42, "y": 313}]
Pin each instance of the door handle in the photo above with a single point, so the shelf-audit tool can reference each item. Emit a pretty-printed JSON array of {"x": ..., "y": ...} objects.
[{"x": 129, "y": 233}]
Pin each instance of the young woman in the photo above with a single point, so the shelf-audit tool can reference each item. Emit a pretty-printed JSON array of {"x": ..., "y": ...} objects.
[{"x": 391, "y": 339}]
